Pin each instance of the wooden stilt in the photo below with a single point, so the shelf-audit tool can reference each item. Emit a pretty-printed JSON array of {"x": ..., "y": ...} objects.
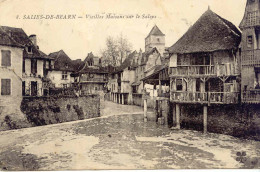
[
  {"x": 178, "y": 124},
  {"x": 123, "y": 99},
  {"x": 205, "y": 118},
  {"x": 145, "y": 110}
]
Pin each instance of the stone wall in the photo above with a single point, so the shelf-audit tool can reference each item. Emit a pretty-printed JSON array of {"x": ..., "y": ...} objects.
[
  {"x": 137, "y": 100},
  {"x": 236, "y": 120},
  {"x": 43, "y": 111}
]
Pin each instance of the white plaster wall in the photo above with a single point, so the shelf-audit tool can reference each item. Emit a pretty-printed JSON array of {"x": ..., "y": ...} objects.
[
  {"x": 11, "y": 103},
  {"x": 56, "y": 78}
]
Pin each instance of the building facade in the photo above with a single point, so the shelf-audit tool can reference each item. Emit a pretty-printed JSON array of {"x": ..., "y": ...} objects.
[
  {"x": 35, "y": 63},
  {"x": 60, "y": 73},
  {"x": 250, "y": 46},
  {"x": 204, "y": 65},
  {"x": 155, "y": 39},
  {"x": 92, "y": 78},
  {"x": 11, "y": 60}
]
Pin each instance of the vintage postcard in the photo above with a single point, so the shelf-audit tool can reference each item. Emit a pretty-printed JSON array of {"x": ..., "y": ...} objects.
[{"x": 129, "y": 84}]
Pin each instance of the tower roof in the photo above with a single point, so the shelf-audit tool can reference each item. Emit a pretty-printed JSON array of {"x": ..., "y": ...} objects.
[{"x": 155, "y": 31}]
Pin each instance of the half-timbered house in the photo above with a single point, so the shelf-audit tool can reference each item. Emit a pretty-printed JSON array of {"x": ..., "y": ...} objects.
[{"x": 204, "y": 64}]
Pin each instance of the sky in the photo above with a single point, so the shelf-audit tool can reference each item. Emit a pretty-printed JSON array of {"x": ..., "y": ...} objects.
[{"x": 79, "y": 36}]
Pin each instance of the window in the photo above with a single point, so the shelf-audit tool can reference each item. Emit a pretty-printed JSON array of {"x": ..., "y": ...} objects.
[
  {"x": 64, "y": 75},
  {"x": 34, "y": 66},
  {"x": 65, "y": 86},
  {"x": 5, "y": 86},
  {"x": 47, "y": 64},
  {"x": 197, "y": 85},
  {"x": 6, "y": 58},
  {"x": 23, "y": 65},
  {"x": 158, "y": 39},
  {"x": 179, "y": 84},
  {"x": 29, "y": 49},
  {"x": 66, "y": 66},
  {"x": 249, "y": 41},
  {"x": 23, "y": 88}
]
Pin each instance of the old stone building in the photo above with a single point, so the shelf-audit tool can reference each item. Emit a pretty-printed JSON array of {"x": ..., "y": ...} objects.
[
  {"x": 250, "y": 61},
  {"x": 11, "y": 60},
  {"x": 35, "y": 63},
  {"x": 63, "y": 67},
  {"x": 92, "y": 77},
  {"x": 123, "y": 78},
  {"x": 155, "y": 39}
]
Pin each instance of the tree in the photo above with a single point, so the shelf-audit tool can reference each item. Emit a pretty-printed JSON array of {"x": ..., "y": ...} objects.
[{"x": 115, "y": 51}]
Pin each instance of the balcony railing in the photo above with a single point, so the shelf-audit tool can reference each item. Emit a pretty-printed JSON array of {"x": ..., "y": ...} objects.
[
  {"x": 167, "y": 95},
  {"x": 206, "y": 97},
  {"x": 95, "y": 80},
  {"x": 206, "y": 70},
  {"x": 252, "y": 96},
  {"x": 251, "y": 57}
]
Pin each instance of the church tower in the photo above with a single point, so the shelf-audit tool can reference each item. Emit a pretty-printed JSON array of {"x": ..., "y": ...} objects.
[
  {"x": 250, "y": 49},
  {"x": 155, "y": 39}
]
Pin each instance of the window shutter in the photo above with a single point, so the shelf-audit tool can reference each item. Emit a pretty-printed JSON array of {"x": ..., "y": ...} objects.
[
  {"x": 6, "y": 58},
  {"x": 5, "y": 87},
  {"x": 8, "y": 86}
]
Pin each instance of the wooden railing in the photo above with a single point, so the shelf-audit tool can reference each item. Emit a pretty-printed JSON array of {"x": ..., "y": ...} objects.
[
  {"x": 95, "y": 80},
  {"x": 251, "y": 96},
  {"x": 205, "y": 97},
  {"x": 251, "y": 57},
  {"x": 167, "y": 95},
  {"x": 194, "y": 70},
  {"x": 188, "y": 97},
  {"x": 206, "y": 70}
]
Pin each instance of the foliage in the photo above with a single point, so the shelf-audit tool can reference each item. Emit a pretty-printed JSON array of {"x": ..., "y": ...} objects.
[{"x": 115, "y": 50}]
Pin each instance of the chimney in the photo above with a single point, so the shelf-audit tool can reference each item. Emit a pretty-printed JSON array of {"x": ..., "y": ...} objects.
[{"x": 33, "y": 38}]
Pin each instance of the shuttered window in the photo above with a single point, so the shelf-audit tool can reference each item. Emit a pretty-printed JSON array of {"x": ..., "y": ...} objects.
[
  {"x": 5, "y": 86},
  {"x": 34, "y": 66},
  {"x": 6, "y": 58}
]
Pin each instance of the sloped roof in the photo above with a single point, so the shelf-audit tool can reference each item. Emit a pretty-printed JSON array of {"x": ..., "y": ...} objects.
[
  {"x": 210, "y": 33},
  {"x": 62, "y": 61},
  {"x": 100, "y": 70},
  {"x": 91, "y": 57},
  {"x": 128, "y": 62},
  {"x": 6, "y": 40},
  {"x": 78, "y": 64},
  {"x": 20, "y": 37},
  {"x": 156, "y": 69},
  {"x": 155, "y": 31},
  {"x": 146, "y": 55}
]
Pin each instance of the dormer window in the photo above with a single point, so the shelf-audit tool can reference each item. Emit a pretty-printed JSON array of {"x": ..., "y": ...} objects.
[
  {"x": 66, "y": 66},
  {"x": 249, "y": 41},
  {"x": 29, "y": 49}
]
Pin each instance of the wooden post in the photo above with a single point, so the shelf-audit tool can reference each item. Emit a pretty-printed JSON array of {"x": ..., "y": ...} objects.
[
  {"x": 123, "y": 100},
  {"x": 160, "y": 88},
  {"x": 145, "y": 110},
  {"x": 178, "y": 125},
  {"x": 205, "y": 118},
  {"x": 113, "y": 97}
]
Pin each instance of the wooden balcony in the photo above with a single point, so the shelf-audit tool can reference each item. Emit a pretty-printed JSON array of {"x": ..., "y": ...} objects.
[
  {"x": 95, "y": 80},
  {"x": 251, "y": 96},
  {"x": 205, "y": 70},
  {"x": 206, "y": 97},
  {"x": 250, "y": 57}
]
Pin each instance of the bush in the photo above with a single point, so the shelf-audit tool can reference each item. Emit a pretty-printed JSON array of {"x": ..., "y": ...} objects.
[{"x": 11, "y": 124}]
